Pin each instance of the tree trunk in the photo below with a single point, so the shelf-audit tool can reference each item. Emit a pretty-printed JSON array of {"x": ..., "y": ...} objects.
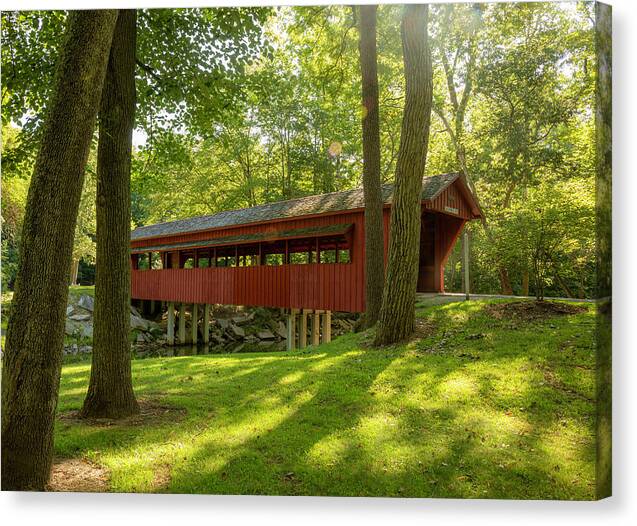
[
  {"x": 525, "y": 282},
  {"x": 75, "y": 266},
  {"x": 110, "y": 393},
  {"x": 374, "y": 249},
  {"x": 35, "y": 335},
  {"x": 396, "y": 320}
]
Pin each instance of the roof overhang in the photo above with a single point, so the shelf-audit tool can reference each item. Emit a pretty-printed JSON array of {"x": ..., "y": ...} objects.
[{"x": 260, "y": 237}]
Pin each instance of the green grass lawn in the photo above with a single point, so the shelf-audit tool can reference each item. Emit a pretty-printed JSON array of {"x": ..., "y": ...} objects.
[
  {"x": 78, "y": 290},
  {"x": 480, "y": 408}
]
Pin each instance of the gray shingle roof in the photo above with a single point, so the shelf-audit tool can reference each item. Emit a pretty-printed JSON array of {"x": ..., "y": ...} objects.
[{"x": 303, "y": 206}]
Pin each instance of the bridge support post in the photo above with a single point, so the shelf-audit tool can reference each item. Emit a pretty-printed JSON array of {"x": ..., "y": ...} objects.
[
  {"x": 327, "y": 327},
  {"x": 206, "y": 323},
  {"x": 170, "y": 329},
  {"x": 303, "y": 330},
  {"x": 182, "y": 324},
  {"x": 316, "y": 327},
  {"x": 291, "y": 339},
  {"x": 194, "y": 323}
]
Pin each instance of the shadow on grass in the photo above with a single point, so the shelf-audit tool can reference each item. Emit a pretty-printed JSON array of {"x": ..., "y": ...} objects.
[{"x": 475, "y": 417}]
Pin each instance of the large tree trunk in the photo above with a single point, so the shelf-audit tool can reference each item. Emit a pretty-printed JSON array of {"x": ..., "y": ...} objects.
[
  {"x": 374, "y": 264},
  {"x": 110, "y": 393},
  {"x": 35, "y": 335},
  {"x": 396, "y": 321}
]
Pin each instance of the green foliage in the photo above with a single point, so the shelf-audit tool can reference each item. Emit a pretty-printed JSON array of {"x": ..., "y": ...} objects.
[{"x": 244, "y": 106}]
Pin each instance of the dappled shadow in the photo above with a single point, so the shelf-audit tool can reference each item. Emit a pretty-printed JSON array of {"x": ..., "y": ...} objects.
[{"x": 474, "y": 410}]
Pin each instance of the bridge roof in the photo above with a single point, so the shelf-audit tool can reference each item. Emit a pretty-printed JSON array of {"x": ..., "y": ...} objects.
[{"x": 432, "y": 186}]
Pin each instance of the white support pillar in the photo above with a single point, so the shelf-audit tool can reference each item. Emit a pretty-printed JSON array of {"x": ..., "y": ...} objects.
[
  {"x": 327, "y": 327},
  {"x": 465, "y": 252},
  {"x": 303, "y": 330},
  {"x": 316, "y": 327},
  {"x": 206, "y": 323},
  {"x": 291, "y": 339},
  {"x": 194, "y": 323},
  {"x": 170, "y": 330},
  {"x": 182, "y": 324}
]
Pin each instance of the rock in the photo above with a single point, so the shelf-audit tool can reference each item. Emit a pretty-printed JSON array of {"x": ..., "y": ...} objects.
[
  {"x": 223, "y": 323},
  {"x": 87, "y": 330},
  {"x": 139, "y": 323},
  {"x": 240, "y": 320},
  {"x": 71, "y": 327},
  {"x": 251, "y": 339},
  {"x": 80, "y": 317},
  {"x": 265, "y": 335},
  {"x": 237, "y": 331},
  {"x": 216, "y": 338},
  {"x": 86, "y": 302},
  {"x": 281, "y": 330},
  {"x": 140, "y": 337},
  {"x": 135, "y": 312},
  {"x": 156, "y": 332},
  {"x": 69, "y": 309}
]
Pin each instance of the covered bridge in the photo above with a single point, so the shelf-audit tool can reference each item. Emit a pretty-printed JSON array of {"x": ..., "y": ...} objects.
[{"x": 306, "y": 254}]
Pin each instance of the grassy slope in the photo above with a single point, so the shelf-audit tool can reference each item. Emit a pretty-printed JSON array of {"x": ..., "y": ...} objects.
[{"x": 481, "y": 408}]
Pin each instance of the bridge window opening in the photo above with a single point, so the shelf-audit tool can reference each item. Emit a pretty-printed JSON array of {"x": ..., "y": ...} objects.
[
  {"x": 156, "y": 261},
  {"x": 299, "y": 258},
  {"x": 328, "y": 256},
  {"x": 344, "y": 255},
  {"x": 274, "y": 259},
  {"x": 143, "y": 261},
  {"x": 297, "y": 251}
]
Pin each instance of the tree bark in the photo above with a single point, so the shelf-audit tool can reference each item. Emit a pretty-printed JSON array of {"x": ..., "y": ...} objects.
[
  {"x": 110, "y": 393},
  {"x": 397, "y": 315},
  {"x": 35, "y": 334},
  {"x": 75, "y": 267},
  {"x": 374, "y": 261}
]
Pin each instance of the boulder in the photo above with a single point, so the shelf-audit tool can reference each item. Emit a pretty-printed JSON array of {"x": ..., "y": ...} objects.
[
  {"x": 72, "y": 327},
  {"x": 80, "y": 317},
  {"x": 140, "y": 337},
  {"x": 265, "y": 335},
  {"x": 281, "y": 330},
  {"x": 69, "y": 309},
  {"x": 86, "y": 302},
  {"x": 237, "y": 331},
  {"x": 223, "y": 323},
  {"x": 240, "y": 320},
  {"x": 135, "y": 312},
  {"x": 139, "y": 323},
  {"x": 87, "y": 330}
]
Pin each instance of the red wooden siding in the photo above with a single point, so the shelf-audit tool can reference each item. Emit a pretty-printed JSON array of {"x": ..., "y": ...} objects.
[{"x": 313, "y": 286}]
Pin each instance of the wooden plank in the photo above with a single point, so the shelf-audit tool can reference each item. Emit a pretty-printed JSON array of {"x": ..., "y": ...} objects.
[
  {"x": 206, "y": 323},
  {"x": 316, "y": 327},
  {"x": 170, "y": 329}
]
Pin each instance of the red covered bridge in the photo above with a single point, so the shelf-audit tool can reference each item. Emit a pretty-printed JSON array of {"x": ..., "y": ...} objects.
[{"x": 306, "y": 254}]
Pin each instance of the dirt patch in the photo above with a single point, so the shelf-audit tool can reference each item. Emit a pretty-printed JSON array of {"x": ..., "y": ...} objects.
[
  {"x": 78, "y": 474},
  {"x": 532, "y": 310},
  {"x": 423, "y": 327},
  {"x": 151, "y": 412},
  {"x": 161, "y": 478}
]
